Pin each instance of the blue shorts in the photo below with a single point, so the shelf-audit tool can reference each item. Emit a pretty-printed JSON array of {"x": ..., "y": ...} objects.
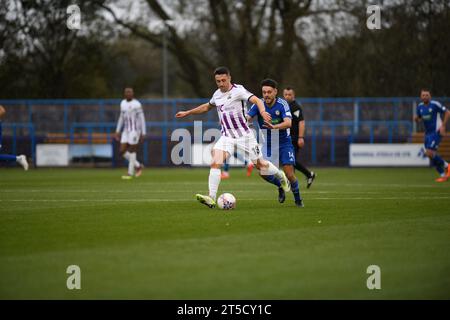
[
  {"x": 432, "y": 140},
  {"x": 286, "y": 155}
]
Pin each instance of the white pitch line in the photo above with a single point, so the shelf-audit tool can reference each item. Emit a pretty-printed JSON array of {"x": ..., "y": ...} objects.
[
  {"x": 187, "y": 191},
  {"x": 244, "y": 199},
  {"x": 367, "y": 185}
]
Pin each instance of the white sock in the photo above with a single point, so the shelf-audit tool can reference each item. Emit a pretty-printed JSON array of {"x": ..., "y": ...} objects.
[
  {"x": 131, "y": 164},
  {"x": 127, "y": 154},
  {"x": 137, "y": 164},
  {"x": 213, "y": 182},
  {"x": 271, "y": 170}
]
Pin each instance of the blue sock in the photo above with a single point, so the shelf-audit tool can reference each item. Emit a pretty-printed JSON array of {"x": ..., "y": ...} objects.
[
  {"x": 7, "y": 157},
  {"x": 271, "y": 179},
  {"x": 296, "y": 190},
  {"x": 439, "y": 164},
  {"x": 226, "y": 167}
]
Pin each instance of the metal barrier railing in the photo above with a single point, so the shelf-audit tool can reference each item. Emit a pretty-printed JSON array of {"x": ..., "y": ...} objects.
[
  {"x": 28, "y": 126},
  {"x": 326, "y": 118}
]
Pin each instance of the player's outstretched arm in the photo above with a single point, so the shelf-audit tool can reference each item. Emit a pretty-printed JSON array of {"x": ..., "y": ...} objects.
[
  {"x": 203, "y": 108},
  {"x": 262, "y": 110}
]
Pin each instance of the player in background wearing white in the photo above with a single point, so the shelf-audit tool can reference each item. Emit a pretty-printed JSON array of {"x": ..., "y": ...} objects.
[
  {"x": 229, "y": 100},
  {"x": 131, "y": 124},
  {"x": 22, "y": 160}
]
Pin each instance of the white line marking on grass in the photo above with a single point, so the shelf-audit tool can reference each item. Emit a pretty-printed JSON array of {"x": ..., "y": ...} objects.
[
  {"x": 261, "y": 190},
  {"x": 243, "y": 199}
]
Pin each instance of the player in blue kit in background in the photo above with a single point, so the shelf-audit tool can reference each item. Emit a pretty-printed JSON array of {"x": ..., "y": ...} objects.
[
  {"x": 22, "y": 160},
  {"x": 430, "y": 112},
  {"x": 278, "y": 109}
]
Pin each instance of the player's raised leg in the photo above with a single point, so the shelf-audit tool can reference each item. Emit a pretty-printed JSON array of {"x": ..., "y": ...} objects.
[
  {"x": 21, "y": 160},
  {"x": 250, "y": 148},
  {"x": 267, "y": 168}
]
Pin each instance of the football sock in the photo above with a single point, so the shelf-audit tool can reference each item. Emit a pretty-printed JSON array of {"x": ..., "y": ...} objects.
[
  {"x": 131, "y": 164},
  {"x": 300, "y": 167},
  {"x": 137, "y": 164},
  {"x": 271, "y": 179},
  {"x": 7, "y": 157},
  {"x": 127, "y": 154},
  {"x": 295, "y": 190},
  {"x": 271, "y": 170},
  {"x": 213, "y": 182},
  {"x": 439, "y": 164},
  {"x": 226, "y": 167}
]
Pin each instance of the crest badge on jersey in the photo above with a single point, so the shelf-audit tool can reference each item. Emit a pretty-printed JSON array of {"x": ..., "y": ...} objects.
[{"x": 277, "y": 112}]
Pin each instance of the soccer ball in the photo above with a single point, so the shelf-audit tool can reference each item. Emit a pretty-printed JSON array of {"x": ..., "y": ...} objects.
[{"x": 226, "y": 201}]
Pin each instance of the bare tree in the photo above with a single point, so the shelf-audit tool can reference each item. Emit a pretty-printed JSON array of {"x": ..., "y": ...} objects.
[{"x": 255, "y": 38}]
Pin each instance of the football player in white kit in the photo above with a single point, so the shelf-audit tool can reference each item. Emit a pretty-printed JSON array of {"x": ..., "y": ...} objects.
[
  {"x": 131, "y": 124},
  {"x": 229, "y": 100}
]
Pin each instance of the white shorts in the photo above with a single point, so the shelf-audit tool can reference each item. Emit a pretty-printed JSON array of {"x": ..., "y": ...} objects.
[
  {"x": 130, "y": 137},
  {"x": 246, "y": 144}
]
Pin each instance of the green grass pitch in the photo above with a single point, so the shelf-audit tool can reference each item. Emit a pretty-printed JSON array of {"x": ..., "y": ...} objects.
[{"x": 149, "y": 239}]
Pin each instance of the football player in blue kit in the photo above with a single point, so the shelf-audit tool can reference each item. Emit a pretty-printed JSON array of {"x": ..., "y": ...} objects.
[
  {"x": 279, "y": 110},
  {"x": 430, "y": 112}
]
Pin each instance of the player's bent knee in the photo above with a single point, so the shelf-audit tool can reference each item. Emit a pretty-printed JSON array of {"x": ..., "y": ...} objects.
[
  {"x": 215, "y": 165},
  {"x": 260, "y": 163}
]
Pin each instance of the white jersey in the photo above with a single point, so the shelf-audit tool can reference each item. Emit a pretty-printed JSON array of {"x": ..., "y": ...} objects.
[
  {"x": 231, "y": 108},
  {"x": 131, "y": 117}
]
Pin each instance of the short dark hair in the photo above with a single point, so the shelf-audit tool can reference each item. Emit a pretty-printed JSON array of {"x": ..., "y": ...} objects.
[
  {"x": 425, "y": 89},
  {"x": 222, "y": 70},
  {"x": 289, "y": 88},
  {"x": 270, "y": 83}
]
